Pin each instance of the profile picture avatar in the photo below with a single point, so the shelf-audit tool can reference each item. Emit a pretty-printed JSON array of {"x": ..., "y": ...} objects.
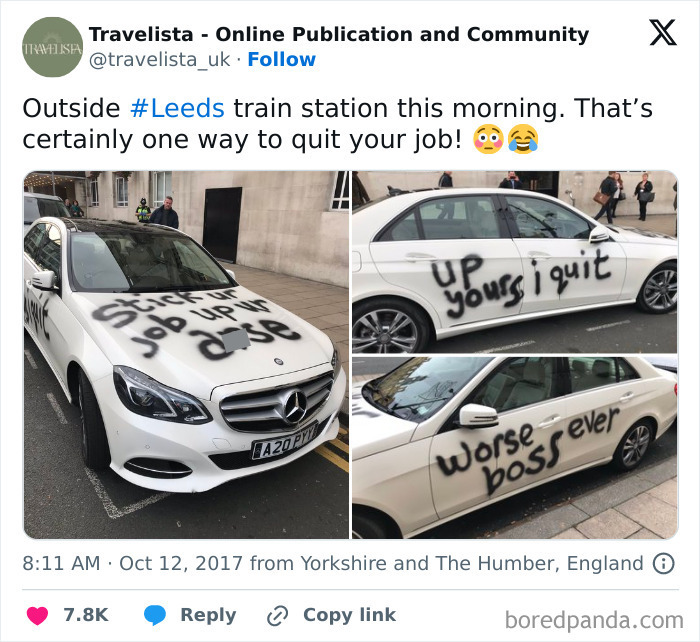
[{"x": 52, "y": 47}]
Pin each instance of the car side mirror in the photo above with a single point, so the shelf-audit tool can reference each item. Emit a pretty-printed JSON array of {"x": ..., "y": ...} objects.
[
  {"x": 44, "y": 280},
  {"x": 598, "y": 234},
  {"x": 475, "y": 416}
]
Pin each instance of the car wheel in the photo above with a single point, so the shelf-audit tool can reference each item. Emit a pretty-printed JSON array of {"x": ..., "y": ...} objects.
[
  {"x": 95, "y": 447},
  {"x": 633, "y": 446},
  {"x": 365, "y": 526},
  {"x": 386, "y": 326},
  {"x": 659, "y": 293}
]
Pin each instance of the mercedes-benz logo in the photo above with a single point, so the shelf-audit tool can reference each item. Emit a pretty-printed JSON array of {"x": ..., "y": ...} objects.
[{"x": 295, "y": 407}]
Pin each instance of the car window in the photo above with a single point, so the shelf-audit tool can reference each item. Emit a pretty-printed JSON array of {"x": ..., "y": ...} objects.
[
  {"x": 141, "y": 261},
  {"x": 48, "y": 254},
  {"x": 517, "y": 383},
  {"x": 596, "y": 372},
  {"x": 404, "y": 230},
  {"x": 538, "y": 218},
  {"x": 33, "y": 240},
  {"x": 625, "y": 371},
  {"x": 417, "y": 389},
  {"x": 36, "y": 207},
  {"x": 463, "y": 217}
]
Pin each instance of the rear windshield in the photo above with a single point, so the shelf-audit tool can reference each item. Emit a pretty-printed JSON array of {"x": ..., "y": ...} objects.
[{"x": 36, "y": 207}]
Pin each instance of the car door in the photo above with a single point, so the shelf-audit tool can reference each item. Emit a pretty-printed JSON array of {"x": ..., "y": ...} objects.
[
  {"x": 528, "y": 394},
  {"x": 45, "y": 312},
  {"x": 456, "y": 253},
  {"x": 607, "y": 396},
  {"x": 561, "y": 267}
]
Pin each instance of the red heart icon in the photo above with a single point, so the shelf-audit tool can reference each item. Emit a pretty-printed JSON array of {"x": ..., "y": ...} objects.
[{"x": 37, "y": 615}]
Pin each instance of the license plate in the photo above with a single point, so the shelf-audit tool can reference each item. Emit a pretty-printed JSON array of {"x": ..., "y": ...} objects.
[{"x": 282, "y": 445}]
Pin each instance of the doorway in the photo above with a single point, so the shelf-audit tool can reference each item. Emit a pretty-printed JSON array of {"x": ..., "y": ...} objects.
[
  {"x": 222, "y": 218},
  {"x": 542, "y": 182}
]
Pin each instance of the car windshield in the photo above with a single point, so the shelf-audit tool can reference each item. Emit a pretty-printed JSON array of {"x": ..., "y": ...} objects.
[
  {"x": 417, "y": 389},
  {"x": 141, "y": 261}
]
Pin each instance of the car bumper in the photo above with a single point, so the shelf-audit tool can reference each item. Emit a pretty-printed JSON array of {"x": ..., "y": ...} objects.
[{"x": 162, "y": 451}]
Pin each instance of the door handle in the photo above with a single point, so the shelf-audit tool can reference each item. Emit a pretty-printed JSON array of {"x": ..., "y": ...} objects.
[
  {"x": 539, "y": 255},
  {"x": 626, "y": 397},
  {"x": 417, "y": 257},
  {"x": 549, "y": 421}
]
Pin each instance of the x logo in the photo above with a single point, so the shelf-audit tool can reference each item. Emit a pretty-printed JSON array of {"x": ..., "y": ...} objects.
[{"x": 663, "y": 32}]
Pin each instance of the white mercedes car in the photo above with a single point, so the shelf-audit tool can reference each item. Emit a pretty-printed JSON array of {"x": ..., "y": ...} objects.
[
  {"x": 184, "y": 378},
  {"x": 439, "y": 437},
  {"x": 440, "y": 263}
]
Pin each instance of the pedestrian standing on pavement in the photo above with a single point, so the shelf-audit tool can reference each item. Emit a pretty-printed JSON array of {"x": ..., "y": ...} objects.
[
  {"x": 511, "y": 182},
  {"x": 607, "y": 188},
  {"x": 143, "y": 212},
  {"x": 644, "y": 195},
  {"x": 359, "y": 193},
  {"x": 445, "y": 180},
  {"x": 616, "y": 196},
  {"x": 165, "y": 214}
]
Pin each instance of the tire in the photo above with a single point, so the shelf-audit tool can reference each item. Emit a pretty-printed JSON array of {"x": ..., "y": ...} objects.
[
  {"x": 370, "y": 526},
  {"x": 389, "y": 326},
  {"x": 633, "y": 446},
  {"x": 94, "y": 444},
  {"x": 659, "y": 292}
]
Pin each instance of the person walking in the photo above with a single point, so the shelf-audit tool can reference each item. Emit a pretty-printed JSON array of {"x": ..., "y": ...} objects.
[
  {"x": 616, "y": 196},
  {"x": 165, "y": 214},
  {"x": 607, "y": 188},
  {"x": 143, "y": 212},
  {"x": 445, "y": 180},
  {"x": 643, "y": 194}
]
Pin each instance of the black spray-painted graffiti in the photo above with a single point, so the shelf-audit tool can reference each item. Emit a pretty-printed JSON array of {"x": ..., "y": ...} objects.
[
  {"x": 124, "y": 311},
  {"x": 532, "y": 461},
  {"x": 562, "y": 275},
  {"x": 473, "y": 297},
  {"x": 470, "y": 294},
  {"x": 35, "y": 313}
]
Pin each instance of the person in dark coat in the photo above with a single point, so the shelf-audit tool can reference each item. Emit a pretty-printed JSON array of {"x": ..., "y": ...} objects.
[
  {"x": 643, "y": 186},
  {"x": 511, "y": 181},
  {"x": 608, "y": 188},
  {"x": 165, "y": 214},
  {"x": 359, "y": 193},
  {"x": 445, "y": 180}
]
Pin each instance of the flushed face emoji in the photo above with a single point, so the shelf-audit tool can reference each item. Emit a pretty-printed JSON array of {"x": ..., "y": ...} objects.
[
  {"x": 522, "y": 139},
  {"x": 488, "y": 139}
]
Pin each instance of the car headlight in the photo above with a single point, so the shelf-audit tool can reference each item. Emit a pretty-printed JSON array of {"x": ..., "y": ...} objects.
[
  {"x": 335, "y": 362},
  {"x": 146, "y": 397}
]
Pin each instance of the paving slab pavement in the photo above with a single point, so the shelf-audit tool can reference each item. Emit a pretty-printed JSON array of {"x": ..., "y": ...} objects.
[
  {"x": 324, "y": 306},
  {"x": 642, "y": 505}
]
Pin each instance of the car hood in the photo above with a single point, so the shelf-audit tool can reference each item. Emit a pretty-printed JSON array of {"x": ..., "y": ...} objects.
[
  {"x": 636, "y": 235},
  {"x": 175, "y": 338},
  {"x": 374, "y": 431}
]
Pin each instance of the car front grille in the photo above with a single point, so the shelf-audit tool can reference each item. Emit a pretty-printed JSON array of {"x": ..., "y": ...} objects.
[{"x": 277, "y": 409}]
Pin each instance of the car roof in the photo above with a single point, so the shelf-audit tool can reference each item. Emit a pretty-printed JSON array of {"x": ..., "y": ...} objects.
[
  {"x": 100, "y": 225},
  {"x": 51, "y": 197}
]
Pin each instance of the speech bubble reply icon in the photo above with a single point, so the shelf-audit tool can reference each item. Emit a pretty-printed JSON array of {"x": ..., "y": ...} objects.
[{"x": 154, "y": 614}]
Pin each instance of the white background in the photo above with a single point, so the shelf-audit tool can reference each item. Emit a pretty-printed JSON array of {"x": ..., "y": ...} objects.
[{"x": 615, "y": 63}]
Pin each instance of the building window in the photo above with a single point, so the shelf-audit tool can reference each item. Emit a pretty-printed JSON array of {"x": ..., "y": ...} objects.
[
  {"x": 162, "y": 187},
  {"x": 94, "y": 193},
  {"x": 121, "y": 191},
  {"x": 341, "y": 192}
]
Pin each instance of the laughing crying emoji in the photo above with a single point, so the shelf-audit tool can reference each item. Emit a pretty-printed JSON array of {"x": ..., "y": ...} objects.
[{"x": 522, "y": 139}]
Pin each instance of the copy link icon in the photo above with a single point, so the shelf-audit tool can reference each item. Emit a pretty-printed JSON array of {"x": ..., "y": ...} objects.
[{"x": 277, "y": 615}]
